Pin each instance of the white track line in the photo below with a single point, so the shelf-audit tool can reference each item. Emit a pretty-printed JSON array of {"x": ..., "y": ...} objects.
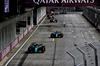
[
  {"x": 24, "y": 43},
  {"x": 80, "y": 64}
]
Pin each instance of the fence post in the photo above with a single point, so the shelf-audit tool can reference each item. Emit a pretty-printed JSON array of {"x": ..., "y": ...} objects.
[
  {"x": 84, "y": 59},
  {"x": 72, "y": 57},
  {"x": 95, "y": 54}
]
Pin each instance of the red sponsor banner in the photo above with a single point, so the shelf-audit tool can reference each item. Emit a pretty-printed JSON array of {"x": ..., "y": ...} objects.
[
  {"x": 0, "y": 57},
  {"x": 14, "y": 43},
  {"x": 64, "y": 3},
  {"x": 5, "y": 51},
  {"x": 25, "y": 32},
  {"x": 20, "y": 36},
  {"x": 29, "y": 28}
]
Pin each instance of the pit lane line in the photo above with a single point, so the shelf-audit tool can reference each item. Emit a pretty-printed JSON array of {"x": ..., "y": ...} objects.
[
  {"x": 24, "y": 43},
  {"x": 54, "y": 54}
]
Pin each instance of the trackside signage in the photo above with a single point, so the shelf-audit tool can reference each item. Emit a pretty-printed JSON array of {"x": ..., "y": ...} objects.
[
  {"x": 5, "y": 51},
  {"x": 14, "y": 43},
  {"x": 10, "y": 47},
  {"x": 63, "y": 2}
]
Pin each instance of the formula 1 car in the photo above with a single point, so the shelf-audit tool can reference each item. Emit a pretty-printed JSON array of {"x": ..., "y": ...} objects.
[
  {"x": 63, "y": 12},
  {"x": 55, "y": 13},
  {"x": 53, "y": 20},
  {"x": 56, "y": 34},
  {"x": 50, "y": 16},
  {"x": 36, "y": 48}
]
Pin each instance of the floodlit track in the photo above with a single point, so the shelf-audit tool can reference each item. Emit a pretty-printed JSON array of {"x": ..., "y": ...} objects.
[{"x": 76, "y": 32}]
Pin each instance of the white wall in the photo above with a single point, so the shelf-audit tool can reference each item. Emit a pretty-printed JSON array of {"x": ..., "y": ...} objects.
[
  {"x": 8, "y": 33},
  {"x": 40, "y": 12}
]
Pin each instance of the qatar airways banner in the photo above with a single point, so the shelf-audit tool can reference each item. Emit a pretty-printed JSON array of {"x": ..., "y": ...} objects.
[{"x": 63, "y": 2}]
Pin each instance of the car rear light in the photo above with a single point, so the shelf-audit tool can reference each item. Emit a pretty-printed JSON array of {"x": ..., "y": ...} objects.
[{"x": 53, "y": 20}]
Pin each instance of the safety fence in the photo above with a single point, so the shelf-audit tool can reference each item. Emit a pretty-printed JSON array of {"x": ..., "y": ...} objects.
[{"x": 11, "y": 46}]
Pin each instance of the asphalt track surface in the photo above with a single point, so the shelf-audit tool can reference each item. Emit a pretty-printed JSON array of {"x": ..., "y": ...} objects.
[{"x": 77, "y": 31}]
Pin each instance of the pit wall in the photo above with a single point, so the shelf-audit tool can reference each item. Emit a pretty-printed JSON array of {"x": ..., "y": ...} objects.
[
  {"x": 41, "y": 12},
  {"x": 8, "y": 37},
  {"x": 8, "y": 47}
]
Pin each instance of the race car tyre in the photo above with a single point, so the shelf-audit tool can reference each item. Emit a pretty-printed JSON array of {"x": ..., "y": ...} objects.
[
  {"x": 29, "y": 49},
  {"x": 56, "y": 20},
  {"x": 50, "y": 20},
  {"x": 48, "y": 17},
  {"x": 52, "y": 36},
  {"x": 61, "y": 36},
  {"x": 43, "y": 49}
]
